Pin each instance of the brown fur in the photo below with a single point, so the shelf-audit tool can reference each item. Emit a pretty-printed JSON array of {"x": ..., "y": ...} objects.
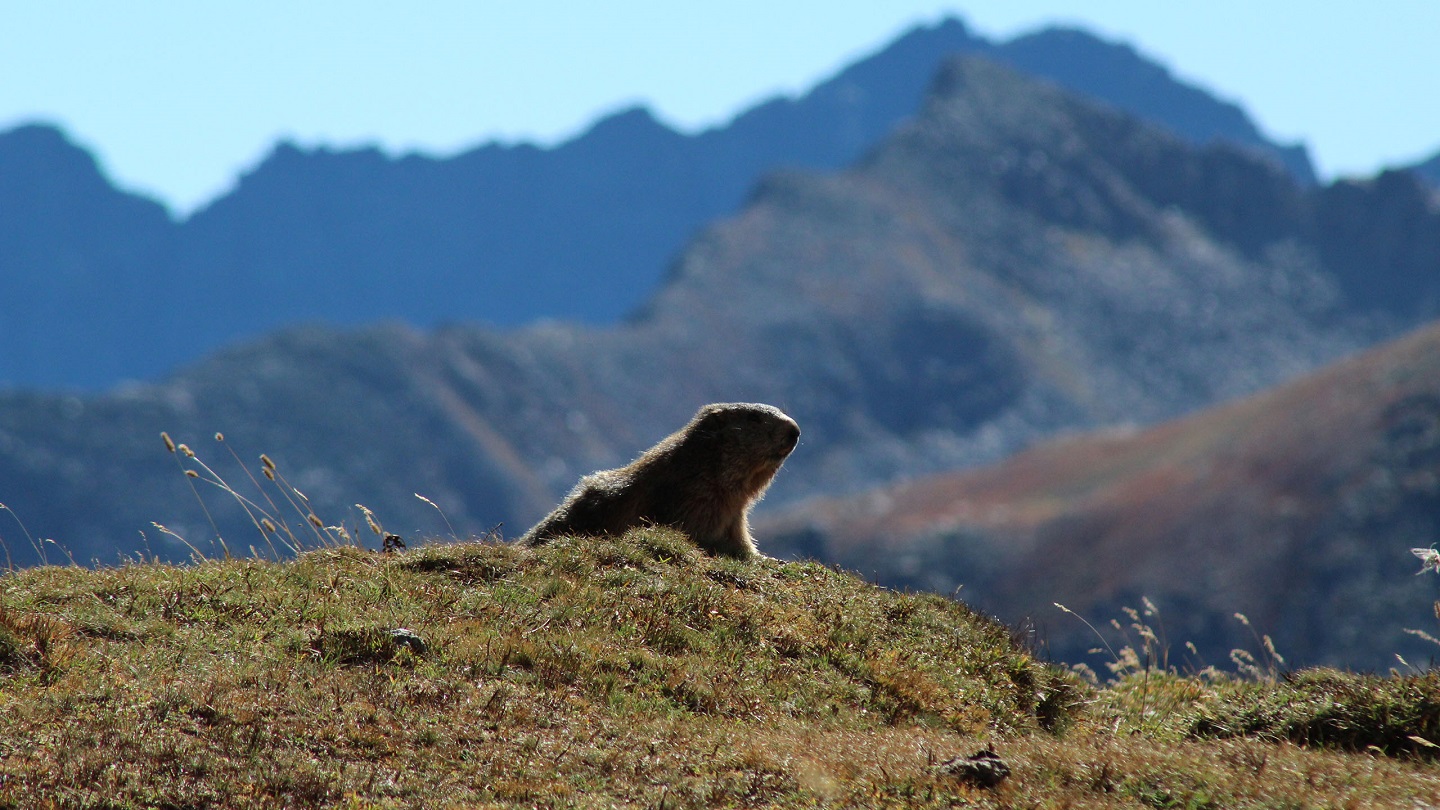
[{"x": 702, "y": 480}]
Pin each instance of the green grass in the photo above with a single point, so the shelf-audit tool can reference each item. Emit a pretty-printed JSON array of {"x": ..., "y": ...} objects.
[
  {"x": 629, "y": 672},
  {"x": 1398, "y": 715}
]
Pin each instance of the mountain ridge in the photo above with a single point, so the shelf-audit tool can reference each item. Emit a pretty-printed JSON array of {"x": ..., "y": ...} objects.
[{"x": 500, "y": 234}]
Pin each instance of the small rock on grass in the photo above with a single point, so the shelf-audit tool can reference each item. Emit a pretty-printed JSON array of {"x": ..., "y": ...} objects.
[{"x": 982, "y": 768}]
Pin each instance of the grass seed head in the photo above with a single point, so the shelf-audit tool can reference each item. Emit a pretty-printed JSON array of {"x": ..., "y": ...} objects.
[
  {"x": 1429, "y": 559},
  {"x": 370, "y": 519}
]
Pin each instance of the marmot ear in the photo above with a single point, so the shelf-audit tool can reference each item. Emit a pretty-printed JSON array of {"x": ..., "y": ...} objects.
[
  {"x": 709, "y": 416},
  {"x": 709, "y": 425}
]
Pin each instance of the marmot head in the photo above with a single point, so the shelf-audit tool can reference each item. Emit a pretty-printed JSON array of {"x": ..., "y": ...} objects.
[{"x": 748, "y": 441}]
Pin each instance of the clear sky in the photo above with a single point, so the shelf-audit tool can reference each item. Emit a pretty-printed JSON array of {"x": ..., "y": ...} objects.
[{"x": 178, "y": 97}]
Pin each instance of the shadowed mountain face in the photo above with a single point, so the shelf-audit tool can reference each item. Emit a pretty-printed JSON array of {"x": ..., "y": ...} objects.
[
  {"x": 1297, "y": 507},
  {"x": 72, "y": 247},
  {"x": 1013, "y": 262},
  {"x": 105, "y": 288}
]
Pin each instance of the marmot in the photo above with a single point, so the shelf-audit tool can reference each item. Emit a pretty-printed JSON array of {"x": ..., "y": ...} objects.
[{"x": 702, "y": 480}]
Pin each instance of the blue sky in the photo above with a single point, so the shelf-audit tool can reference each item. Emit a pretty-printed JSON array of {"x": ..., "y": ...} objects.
[{"x": 177, "y": 98}]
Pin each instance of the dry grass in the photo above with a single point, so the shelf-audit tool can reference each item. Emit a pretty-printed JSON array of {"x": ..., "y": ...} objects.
[{"x": 630, "y": 672}]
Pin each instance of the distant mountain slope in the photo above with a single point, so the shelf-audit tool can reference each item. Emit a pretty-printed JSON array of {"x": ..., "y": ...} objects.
[
  {"x": 1430, "y": 170},
  {"x": 1014, "y": 262},
  {"x": 1120, "y": 76},
  {"x": 81, "y": 265},
  {"x": 1297, "y": 507},
  {"x": 503, "y": 235}
]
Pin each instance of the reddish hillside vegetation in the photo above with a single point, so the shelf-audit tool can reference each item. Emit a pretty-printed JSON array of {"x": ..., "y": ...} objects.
[{"x": 1297, "y": 506}]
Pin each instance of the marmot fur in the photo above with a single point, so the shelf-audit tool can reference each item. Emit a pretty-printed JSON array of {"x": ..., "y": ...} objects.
[{"x": 702, "y": 480}]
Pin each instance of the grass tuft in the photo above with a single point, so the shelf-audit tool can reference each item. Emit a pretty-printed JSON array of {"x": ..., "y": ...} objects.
[{"x": 1396, "y": 715}]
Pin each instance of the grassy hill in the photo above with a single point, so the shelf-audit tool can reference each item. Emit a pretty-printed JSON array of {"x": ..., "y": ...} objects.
[{"x": 631, "y": 672}]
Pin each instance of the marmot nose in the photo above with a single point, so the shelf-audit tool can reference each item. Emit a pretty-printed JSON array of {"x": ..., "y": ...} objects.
[{"x": 792, "y": 436}]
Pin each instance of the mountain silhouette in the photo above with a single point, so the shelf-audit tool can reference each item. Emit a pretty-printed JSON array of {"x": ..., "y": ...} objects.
[
  {"x": 101, "y": 287},
  {"x": 87, "y": 268}
]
